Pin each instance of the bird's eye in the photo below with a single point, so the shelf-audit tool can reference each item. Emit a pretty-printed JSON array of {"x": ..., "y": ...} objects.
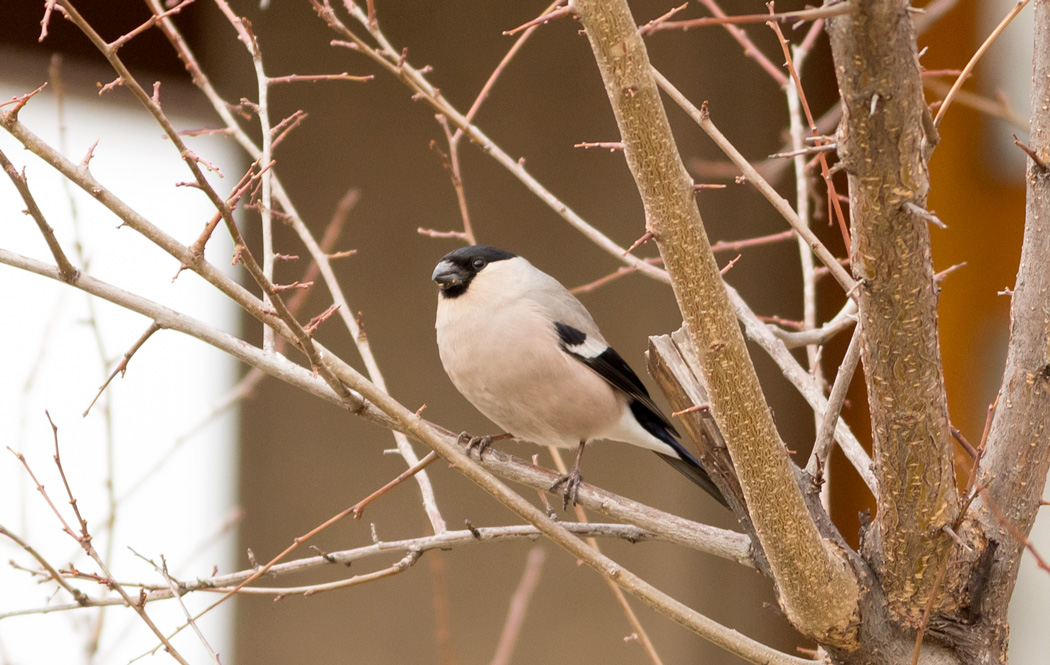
[{"x": 478, "y": 263}]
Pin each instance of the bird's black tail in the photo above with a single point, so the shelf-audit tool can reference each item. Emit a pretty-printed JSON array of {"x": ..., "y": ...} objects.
[
  {"x": 692, "y": 470},
  {"x": 654, "y": 422}
]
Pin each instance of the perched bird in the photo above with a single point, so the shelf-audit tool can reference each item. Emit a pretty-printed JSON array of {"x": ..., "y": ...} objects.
[{"x": 527, "y": 354}]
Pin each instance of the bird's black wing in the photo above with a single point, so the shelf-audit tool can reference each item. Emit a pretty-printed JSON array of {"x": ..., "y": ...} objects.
[{"x": 609, "y": 365}]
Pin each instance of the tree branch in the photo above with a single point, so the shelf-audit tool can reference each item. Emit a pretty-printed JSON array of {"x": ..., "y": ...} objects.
[
  {"x": 1018, "y": 453},
  {"x": 884, "y": 142},
  {"x": 817, "y": 588}
]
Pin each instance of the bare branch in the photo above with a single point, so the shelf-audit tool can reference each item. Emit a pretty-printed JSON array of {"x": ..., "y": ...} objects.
[
  {"x": 69, "y": 273},
  {"x": 782, "y": 521},
  {"x": 884, "y": 145},
  {"x": 1018, "y": 455},
  {"x": 826, "y": 431}
]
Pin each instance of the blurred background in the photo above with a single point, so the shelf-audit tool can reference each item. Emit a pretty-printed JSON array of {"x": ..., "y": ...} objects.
[{"x": 295, "y": 461}]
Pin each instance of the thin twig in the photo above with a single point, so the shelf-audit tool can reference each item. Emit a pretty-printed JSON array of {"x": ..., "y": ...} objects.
[
  {"x": 826, "y": 430},
  {"x": 973, "y": 60},
  {"x": 825, "y": 170},
  {"x": 313, "y": 78},
  {"x": 175, "y": 592},
  {"x": 795, "y": 103},
  {"x": 828, "y": 11},
  {"x": 543, "y": 19},
  {"x": 355, "y": 510},
  {"x": 69, "y": 273},
  {"x": 750, "y": 49},
  {"x": 122, "y": 366},
  {"x": 702, "y": 118}
]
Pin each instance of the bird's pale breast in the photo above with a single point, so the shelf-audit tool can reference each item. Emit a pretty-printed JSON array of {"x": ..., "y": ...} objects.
[{"x": 505, "y": 359}]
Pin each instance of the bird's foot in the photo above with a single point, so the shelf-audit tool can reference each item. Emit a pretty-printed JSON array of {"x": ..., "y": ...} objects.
[
  {"x": 481, "y": 443},
  {"x": 571, "y": 481}
]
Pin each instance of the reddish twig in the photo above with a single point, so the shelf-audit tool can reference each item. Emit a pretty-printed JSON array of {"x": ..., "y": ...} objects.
[
  {"x": 783, "y": 17},
  {"x": 729, "y": 266},
  {"x": 1040, "y": 162},
  {"x": 542, "y": 19},
  {"x": 833, "y": 199},
  {"x": 780, "y": 321},
  {"x": 602, "y": 281},
  {"x": 487, "y": 88},
  {"x": 691, "y": 409},
  {"x": 84, "y": 540},
  {"x": 648, "y": 27},
  {"x": 937, "y": 581},
  {"x": 1014, "y": 531},
  {"x": 442, "y": 609},
  {"x": 809, "y": 150},
  {"x": 750, "y": 50},
  {"x": 737, "y": 245},
  {"x": 451, "y": 163},
  {"x": 117, "y": 43},
  {"x": 314, "y": 78},
  {"x": 316, "y": 322},
  {"x": 646, "y": 237},
  {"x": 20, "y": 101},
  {"x": 246, "y": 184},
  {"x": 328, "y": 240},
  {"x": 46, "y": 21},
  {"x": 282, "y": 129}
]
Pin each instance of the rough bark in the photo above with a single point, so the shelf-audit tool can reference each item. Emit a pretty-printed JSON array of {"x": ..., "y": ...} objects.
[
  {"x": 817, "y": 588},
  {"x": 1018, "y": 455},
  {"x": 884, "y": 140}
]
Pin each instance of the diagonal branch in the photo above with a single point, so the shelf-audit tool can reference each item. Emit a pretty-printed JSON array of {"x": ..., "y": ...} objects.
[
  {"x": 818, "y": 590},
  {"x": 884, "y": 143},
  {"x": 1018, "y": 454},
  {"x": 69, "y": 273}
]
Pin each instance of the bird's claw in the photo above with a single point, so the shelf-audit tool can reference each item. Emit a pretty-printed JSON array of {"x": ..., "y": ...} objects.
[
  {"x": 481, "y": 443},
  {"x": 572, "y": 482}
]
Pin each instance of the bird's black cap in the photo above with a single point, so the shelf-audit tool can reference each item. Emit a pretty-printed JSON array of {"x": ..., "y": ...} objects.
[{"x": 457, "y": 269}]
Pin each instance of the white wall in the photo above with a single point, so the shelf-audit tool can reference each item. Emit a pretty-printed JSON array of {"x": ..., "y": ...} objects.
[{"x": 50, "y": 359}]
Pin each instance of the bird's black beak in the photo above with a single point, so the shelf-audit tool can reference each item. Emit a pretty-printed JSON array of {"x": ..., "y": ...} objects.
[{"x": 448, "y": 275}]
